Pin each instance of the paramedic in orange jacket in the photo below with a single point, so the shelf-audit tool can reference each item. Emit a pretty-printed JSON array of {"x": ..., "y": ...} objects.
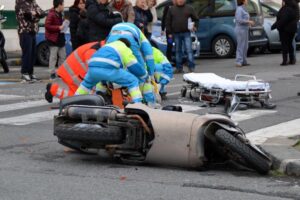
[{"x": 72, "y": 72}]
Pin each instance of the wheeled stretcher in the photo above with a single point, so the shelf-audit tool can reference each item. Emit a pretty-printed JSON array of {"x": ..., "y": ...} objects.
[{"x": 213, "y": 89}]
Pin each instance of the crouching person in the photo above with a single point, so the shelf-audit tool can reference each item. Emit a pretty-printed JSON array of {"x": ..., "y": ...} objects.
[
  {"x": 115, "y": 63},
  {"x": 163, "y": 71},
  {"x": 72, "y": 72}
]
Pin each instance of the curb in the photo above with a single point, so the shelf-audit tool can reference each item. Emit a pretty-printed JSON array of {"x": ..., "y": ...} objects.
[
  {"x": 288, "y": 162},
  {"x": 14, "y": 62}
]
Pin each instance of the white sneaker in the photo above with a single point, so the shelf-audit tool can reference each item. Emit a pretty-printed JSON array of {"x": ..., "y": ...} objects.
[{"x": 25, "y": 78}]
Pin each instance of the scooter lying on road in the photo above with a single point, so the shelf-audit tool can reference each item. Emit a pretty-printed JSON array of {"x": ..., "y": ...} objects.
[{"x": 140, "y": 134}]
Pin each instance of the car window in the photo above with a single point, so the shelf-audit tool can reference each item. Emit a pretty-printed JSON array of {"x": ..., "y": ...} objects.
[
  {"x": 266, "y": 11},
  {"x": 160, "y": 11},
  {"x": 224, "y": 6},
  {"x": 202, "y": 7},
  {"x": 253, "y": 7}
]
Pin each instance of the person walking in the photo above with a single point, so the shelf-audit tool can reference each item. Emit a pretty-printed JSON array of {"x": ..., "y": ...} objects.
[
  {"x": 178, "y": 29},
  {"x": 143, "y": 16},
  {"x": 28, "y": 14},
  {"x": 242, "y": 24},
  {"x": 100, "y": 19},
  {"x": 75, "y": 11},
  {"x": 286, "y": 24},
  {"x": 125, "y": 8}
]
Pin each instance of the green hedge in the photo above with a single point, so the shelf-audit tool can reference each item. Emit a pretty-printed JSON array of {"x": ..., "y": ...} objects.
[{"x": 11, "y": 22}]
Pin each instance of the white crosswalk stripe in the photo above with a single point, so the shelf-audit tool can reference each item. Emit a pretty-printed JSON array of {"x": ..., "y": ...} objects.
[
  {"x": 285, "y": 129},
  {"x": 29, "y": 118},
  {"x": 23, "y": 105},
  {"x": 6, "y": 97}
]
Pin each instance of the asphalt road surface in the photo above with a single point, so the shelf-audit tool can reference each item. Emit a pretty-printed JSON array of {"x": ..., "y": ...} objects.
[{"x": 34, "y": 166}]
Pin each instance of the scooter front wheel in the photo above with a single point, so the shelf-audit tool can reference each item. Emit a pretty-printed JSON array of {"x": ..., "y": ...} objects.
[{"x": 247, "y": 154}]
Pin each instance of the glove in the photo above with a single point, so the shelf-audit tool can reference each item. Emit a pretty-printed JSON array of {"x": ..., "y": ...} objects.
[{"x": 273, "y": 26}]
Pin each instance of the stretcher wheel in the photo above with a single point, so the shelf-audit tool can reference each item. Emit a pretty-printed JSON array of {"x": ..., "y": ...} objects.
[
  {"x": 269, "y": 105},
  {"x": 183, "y": 91}
]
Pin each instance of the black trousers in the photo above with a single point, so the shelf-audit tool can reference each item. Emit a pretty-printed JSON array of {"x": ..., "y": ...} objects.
[
  {"x": 169, "y": 48},
  {"x": 286, "y": 39},
  {"x": 28, "y": 46}
]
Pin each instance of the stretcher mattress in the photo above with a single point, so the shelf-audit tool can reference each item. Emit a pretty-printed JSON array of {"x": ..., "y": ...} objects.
[{"x": 213, "y": 81}]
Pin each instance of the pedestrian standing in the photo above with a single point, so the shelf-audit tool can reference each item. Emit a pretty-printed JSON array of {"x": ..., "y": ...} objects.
[
  {"x": 82, "y": 32},
  {"x": 242, "y": 24},
  {"x": 28, "y": 14},
  {"x": 143, "y": 16},
  {"x": 286, "y": 24},
  {"x": 55, "y": 36},
  {"x": 164, "y": 32},
  {"x": 296, "y": 35},
  {"x": 125, "y": 8},
  {"x": 75, "y": 12},
  {"x": 178, "y": 28},
  {"x": 151, "y": 4},
  {"x": 100, "y": 19}
]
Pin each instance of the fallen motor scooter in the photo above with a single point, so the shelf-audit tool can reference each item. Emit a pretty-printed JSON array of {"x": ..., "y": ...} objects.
[
  {"x": 3, "y": 55},
  {"x": 141, "y": 134}
]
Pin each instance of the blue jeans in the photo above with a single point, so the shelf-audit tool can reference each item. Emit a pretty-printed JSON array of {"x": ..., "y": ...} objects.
[{"x": 185, "y": 38}]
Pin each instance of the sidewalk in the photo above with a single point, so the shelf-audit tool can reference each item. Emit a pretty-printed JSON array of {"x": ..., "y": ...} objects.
[{"x": 285, "y": 153}]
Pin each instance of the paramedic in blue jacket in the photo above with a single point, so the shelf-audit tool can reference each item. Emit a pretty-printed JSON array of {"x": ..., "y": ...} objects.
[
  {"x": 141, "y": 49},
  {"x": 242, "y": 24},
  {"x": 114, "y": 63},
  {"x": 163, "y": 71}
]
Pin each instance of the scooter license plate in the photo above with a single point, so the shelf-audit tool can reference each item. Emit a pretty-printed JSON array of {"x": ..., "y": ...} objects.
[{"x": 256, "y": 33}]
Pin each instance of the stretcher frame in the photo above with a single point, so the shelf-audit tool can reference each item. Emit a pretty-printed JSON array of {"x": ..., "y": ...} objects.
[{"x": 232, "y": 100}]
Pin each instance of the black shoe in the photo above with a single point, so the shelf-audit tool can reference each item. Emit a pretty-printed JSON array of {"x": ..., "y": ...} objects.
[
  {"x": 246, "y": 64},
  {"x": 191, "y": 70},
  {"x": 25, "y": 78},
  {"x": 48, "y": 95},
  {"x": 34, "y": 78},
  {"x": 163, "y": 96},
  {"x": 283, "y": 64},
  {"x": 292, "y": 62},
  {"x": 53, "y": 76}
]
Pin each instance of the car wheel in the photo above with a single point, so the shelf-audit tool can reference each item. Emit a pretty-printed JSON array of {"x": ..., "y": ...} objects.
[
  {"x": 223, "y": 46},
  {"x": 43, "y": 54}
]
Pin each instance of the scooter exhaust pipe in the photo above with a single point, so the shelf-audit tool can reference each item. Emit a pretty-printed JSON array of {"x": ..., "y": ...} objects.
[{"x": 90, "y": 113}]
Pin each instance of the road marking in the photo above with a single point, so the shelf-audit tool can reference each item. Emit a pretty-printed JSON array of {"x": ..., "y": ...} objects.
[
  {"x": 29, "y": 118},
  {"x": 6, "y": 97},
  {"x": 22, "y": 105},
  {"x": 285, "y": 129},
  {"x": 175, "y": 85},
  {"x": 239, "y": 116}
]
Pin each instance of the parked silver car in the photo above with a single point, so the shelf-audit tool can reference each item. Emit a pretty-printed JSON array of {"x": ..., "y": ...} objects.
[{"x": 270, "y": 9}]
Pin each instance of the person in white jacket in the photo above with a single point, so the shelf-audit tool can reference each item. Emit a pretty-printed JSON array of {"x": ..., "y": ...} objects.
[{"x": 151, "y": 5}]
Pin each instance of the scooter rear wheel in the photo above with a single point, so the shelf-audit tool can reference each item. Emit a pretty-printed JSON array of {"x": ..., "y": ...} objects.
[{"x": 247, "y": 154}]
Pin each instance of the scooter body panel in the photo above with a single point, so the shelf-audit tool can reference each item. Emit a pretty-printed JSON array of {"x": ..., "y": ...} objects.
[{"x": 179, "y": 138}]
